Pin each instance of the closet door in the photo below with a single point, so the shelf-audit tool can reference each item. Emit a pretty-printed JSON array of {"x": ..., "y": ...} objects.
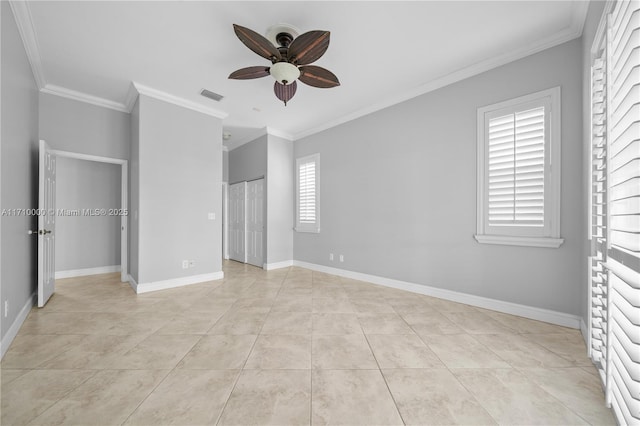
[
  {"x": 255, "y": 222},
  {"x": 237, "y": 193}
]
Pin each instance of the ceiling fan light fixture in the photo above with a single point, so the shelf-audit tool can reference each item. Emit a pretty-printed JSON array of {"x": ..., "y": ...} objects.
[{"x": 284, "y": 72}]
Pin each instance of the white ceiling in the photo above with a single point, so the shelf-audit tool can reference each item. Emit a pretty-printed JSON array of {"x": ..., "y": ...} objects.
[{"x": 382, "y": 52}]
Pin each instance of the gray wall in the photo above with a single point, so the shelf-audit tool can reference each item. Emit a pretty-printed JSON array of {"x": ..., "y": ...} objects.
[
  {"x": 398, "y": 191},
  {"x": 134, "y": 192},
  {"x": 225, "y": 166},
  {"x": 280, "y": 202},
  {"x": 249, "y": 161},
  {"x": 180, "y": 182},
  {"x": 69, "y": 125},
  {"x": 18, "y": 171},
  {"x": 588, "y": 35},
  {"x": 87, "y": 241},
  {"x": 270, "y": 157}
]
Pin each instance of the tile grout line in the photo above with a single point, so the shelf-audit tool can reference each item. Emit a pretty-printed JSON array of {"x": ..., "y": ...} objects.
[
  {"x": 395, "y": 403},
  {"x": 175, "y": 367},
  {"x": 64, "y": 396},
  {"x": 235, "y": 383}
]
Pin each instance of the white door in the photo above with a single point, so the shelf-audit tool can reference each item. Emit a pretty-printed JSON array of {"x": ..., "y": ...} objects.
[
  {"x": 255, "y": 222},
  {"x": 46, "y": 224},
  {"x": 237, "y": 222}
]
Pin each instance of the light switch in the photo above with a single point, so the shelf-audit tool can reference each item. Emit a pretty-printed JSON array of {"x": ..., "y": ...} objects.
[{"x": 212, "y": 216}]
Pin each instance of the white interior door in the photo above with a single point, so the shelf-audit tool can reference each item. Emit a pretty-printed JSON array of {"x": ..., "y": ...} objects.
[
  {"x": 46, "y": 224},
  {"x": 237, "y": 222},
  {"x": 255, "y": 222}
]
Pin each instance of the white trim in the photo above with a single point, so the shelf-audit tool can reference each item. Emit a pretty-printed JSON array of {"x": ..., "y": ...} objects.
[
  {"x": 279, "y": 133},
  {"x": 175, "y": 100},
  {"x": 132, "y": 97},
  {"x": 225, "y": 220},
  {"x": 531, "y": 312},
  {"x": 88, "y": 157},
  {"x": 277, "y": 265},
  {"x": 124, "y": 201},
  {"x": 509, "y": 240},
  {"x": 549, "y": 234},
  {"x": 598, "y": 38},
  {"x": 17, "y": 323},
  {"x": 52, "y": 89},
  {"x": 450, "y": 78},
  {"x": 306, "y": 227},
  {"x": 579, "y": 11},
  {"x": 24, "y": 22},
  {"x": 87, "y": 271},
  {"x": 585, "y": 334},
  {"x": 176, "y": 282},
  {"x": 132, "y": 282}
]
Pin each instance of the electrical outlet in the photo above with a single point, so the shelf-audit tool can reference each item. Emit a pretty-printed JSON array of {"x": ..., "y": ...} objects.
[
  {"x": 211, "y": 216},
  {"x": 192, "y": 263},
  {"x": 6, "y": 308},
  {"x": 341, "y": 258},
  {"x": 185, "y": 264},
  {"x": 330, "y": 256}
]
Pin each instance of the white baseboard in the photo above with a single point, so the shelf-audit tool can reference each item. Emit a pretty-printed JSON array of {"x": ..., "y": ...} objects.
[
  {"x": 539, "y": 314},
  {"x": 132, "y": 283},
  {"x": 176, "y": 282},
  {"x": 17, "y": 323},
  {"x": 585, "y": 331},
  {"x": 87, "y": 271},
  {"x": 277, "y": 265}
]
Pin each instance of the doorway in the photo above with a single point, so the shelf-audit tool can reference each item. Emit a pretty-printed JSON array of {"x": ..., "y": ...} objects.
[
  {"x": 246, "y": 222},
  {"x": 124, "y": 197}
]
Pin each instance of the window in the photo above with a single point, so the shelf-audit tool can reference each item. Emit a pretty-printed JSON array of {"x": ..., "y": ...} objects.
[
  {"x": 519, "y": 171},
  {"x": 308, "y": 194},
  {"x": 614, "y": 314}
]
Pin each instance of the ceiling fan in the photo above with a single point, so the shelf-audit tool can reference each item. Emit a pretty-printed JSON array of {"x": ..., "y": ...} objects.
[{"x": 290, "y": 60}]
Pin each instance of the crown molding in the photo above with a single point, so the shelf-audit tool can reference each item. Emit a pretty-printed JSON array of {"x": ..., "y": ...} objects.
[
  {"x": 579, "y": 11},
  {"x": 132, "y": 97},
  {"x": 52, "y": 89},
  {"x": 456, "y": 76},
  {"x": 24, "y": 22},
  {"x": 172, "y": 99},
  {"x": 279, "y": 133}
]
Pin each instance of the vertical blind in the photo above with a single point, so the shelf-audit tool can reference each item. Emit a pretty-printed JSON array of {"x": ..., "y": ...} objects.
[
  {"x": 619, "y": 150},
  {"x": 516, "y": 168},
  {"x": 307, "y": 192}
]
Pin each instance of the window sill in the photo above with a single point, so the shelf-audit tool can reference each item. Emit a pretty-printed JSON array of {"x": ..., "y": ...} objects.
[
  {"x": 308, "y": 230},
  {"x": 507, "y": 240}
]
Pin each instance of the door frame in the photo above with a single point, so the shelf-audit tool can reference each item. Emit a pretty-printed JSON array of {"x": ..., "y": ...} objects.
[
  {"x": 225, "y": 220},
  {"x": 124, "y": 205}
]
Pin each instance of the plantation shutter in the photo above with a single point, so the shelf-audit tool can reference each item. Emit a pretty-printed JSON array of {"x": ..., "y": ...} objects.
[
  {"x": 307, "y": 192},
  {"x": 615, "y": 313},
  {"x": 624, "y": 210},
  {"x": 516, "y": 168},
  {"x": 599, "y": 278}
]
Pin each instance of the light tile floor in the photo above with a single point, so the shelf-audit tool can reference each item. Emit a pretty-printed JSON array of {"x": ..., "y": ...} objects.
[{"x": 289, "y": 346}]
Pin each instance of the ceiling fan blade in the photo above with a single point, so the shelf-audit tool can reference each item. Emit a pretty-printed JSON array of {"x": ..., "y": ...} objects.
[
  {"x": 318, "y": 77},
  {"x": 285, "y": 92},
  {"x": 308, "y": 47},
  {"x": 249, "y": 73},
  {"x": 257, "y": 43}
]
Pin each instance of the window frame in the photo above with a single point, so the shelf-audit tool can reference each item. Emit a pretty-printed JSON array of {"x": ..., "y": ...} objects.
[
  {"x": 549, "y": 234},
  {"x": 308, "y": 227}
]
